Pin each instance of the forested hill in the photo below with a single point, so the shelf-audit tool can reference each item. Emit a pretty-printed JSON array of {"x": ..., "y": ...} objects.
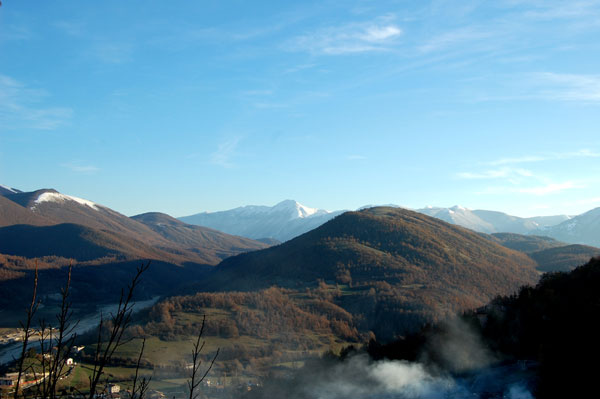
[
  {"x": 397, "y": 265},
  {"x": 382, "y": 244},
  {"x": 555, "y": 323}
]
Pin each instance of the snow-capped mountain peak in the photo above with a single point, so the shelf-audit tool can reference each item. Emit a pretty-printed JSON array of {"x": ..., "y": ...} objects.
[
  {"x": 297, "y": 210},
  {"x": 282, "y": 221},
  {"x": 52, "y": 196}
]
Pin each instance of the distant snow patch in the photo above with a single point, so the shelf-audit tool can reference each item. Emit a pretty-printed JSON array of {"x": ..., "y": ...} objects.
[
  {"x": 304, "y": 211},
  {"x": 61, "y": 198},
  {"x": 12, "y": 190}
]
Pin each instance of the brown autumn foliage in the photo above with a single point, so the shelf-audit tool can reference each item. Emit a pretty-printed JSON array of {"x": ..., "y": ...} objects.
[
  {"x": 260, "y": 314},
  {"x": 402, "y": 268}
]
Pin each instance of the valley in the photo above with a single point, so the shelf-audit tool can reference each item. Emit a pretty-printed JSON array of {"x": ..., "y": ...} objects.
[{"x": 374, "y": 275}]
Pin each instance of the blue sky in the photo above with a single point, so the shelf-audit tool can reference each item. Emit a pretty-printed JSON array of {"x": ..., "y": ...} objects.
[{"x": 182, "y": 107}]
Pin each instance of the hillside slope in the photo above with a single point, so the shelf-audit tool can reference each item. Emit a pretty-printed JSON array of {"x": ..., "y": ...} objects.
[
  {"x": 566, "y": 258},
  {"x": 173, "y": 241},
  {"x": 64, "y": 208},
  {"x": 525, "y": 243},
  {"x": 13, "y": 213},
  {"x": 402, "y": 267},
  {"x": 74, "y": 241},
  {"x": 549, "y": 254},
  {"x": 198, "y": 238}
]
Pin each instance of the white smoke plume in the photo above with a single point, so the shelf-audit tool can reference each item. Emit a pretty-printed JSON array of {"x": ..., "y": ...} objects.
[
  {"x": 457, "y": 348},
  {"x": 454, "y": 364},
  {"x": 359, "y": 377}
]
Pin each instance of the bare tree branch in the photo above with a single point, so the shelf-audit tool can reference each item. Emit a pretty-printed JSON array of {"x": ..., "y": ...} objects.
[
  {"x": 140, "y": 387},
  {"x": 194, "y": 382},
  {"x": 120, "y": 321},
  {"x": 33, "y": 306}
]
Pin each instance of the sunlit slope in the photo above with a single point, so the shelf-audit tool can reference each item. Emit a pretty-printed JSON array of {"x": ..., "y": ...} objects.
[{"x": 401, "y": 267}]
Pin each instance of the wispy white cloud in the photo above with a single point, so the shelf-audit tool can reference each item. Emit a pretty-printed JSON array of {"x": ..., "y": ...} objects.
[
  {"x": 299, "y": 68},
  {"x": 550, "y": 188},
  {"x": 21, "y": 107},
  {"x": 454, "y": 38},
  {"x": 569, "y": 87},
  {"x": 225, "y": 152},
  {"x": 535, "y": 189},
  {"x": 80, "y": 167},
  {"x": 588, "y": 201},
  {"x": 583, "y": 153},
  {"x": 508, "y": 178},
  {"x": 378, "y": 35},
  {"x": 501, "y": 173},
  {"x": 551, "y": 10}
]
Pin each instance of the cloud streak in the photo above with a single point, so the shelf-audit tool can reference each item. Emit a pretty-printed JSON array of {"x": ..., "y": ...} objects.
[
  {"x": 584, "y": 153},
  {"x": 20, "y": 107},
  {"x": 495, "y": 174},
  {"x": 454, "y": 38},
  {"x": 375, "y": 36},
  {"x": 539, "y": 190},
  {"x": 564, "y": 10},
  {"x": 224, "y": 153},
  {"x": 79, "y": 167},
  {"x": 570, "y": 87},
  {"x": 550, "y": 188}
]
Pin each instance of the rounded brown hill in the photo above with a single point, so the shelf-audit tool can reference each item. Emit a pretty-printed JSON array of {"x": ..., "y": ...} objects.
[
  {"x": 13, "y": 213},
  {"x": 394, "y": 261}
]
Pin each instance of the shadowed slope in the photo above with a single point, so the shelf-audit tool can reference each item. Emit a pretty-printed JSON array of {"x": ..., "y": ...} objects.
[
  {"x": 13, "y": 213},
  {"x": 198, "y": 238},
  {"x": 74, "y": 241},
  {"x": 550, "y": 255}
]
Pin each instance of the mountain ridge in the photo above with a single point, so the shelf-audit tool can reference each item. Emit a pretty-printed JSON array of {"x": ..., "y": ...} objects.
[
  {"x": 580, "y": 229},
  {"x": 283, "y": 221}
]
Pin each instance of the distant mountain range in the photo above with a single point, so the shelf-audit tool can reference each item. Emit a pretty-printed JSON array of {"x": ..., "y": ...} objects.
[
  {"x": 289, "y": 219},
  {"x": 492, "y": 221},
  {"x": 286, "y": 220},
  {"x": 581, "y": 229}
]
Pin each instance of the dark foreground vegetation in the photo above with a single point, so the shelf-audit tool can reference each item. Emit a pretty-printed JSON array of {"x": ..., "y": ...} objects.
[
  {"x": 545, "y": 337},
  {"x": 555, "y": 324}
]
